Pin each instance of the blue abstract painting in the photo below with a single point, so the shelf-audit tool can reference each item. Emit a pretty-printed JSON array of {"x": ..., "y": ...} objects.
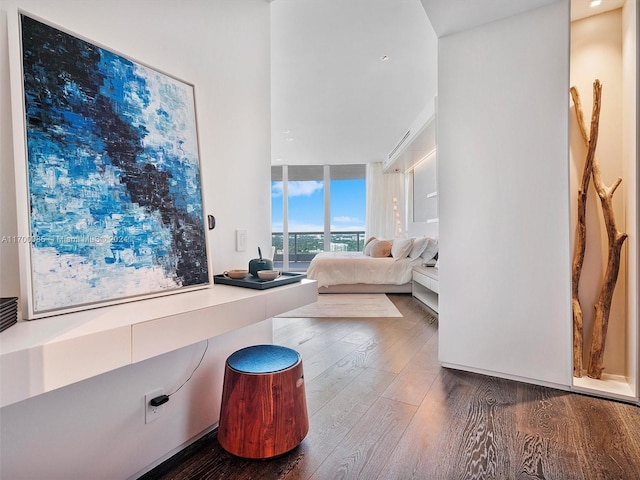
[{"x": 113, "y": 170}]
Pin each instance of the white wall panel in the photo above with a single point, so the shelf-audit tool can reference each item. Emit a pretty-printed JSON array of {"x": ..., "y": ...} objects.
[{"x": 503, "y": 192}]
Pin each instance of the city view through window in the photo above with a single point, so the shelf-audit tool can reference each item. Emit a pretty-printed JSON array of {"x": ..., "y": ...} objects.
[{"x": 306, "y": 205}]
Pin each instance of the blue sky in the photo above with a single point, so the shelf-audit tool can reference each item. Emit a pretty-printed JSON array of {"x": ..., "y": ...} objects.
[{"x": 306, "y": 206}]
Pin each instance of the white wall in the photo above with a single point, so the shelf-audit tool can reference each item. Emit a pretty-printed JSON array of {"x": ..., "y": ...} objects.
[
  {"x": 95, "y": 429},
  {"x": 504, "y": 195}
]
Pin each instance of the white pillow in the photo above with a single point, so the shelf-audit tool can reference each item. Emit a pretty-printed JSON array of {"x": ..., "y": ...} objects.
[
  {"x": 419, "y": 245},
  {"x": 401, "y": 247},
  {"x": 368, "y": 246},
  {"x": 431, "y": 250}
]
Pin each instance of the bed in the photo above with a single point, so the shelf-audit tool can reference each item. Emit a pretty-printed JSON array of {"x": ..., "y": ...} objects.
[{"x": 362, "y": 272}]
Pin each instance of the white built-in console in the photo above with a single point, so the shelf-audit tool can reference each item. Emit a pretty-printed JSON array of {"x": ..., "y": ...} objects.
[
  {"x": 425, "y": 286},
  {"x": 42, "y": 355}
]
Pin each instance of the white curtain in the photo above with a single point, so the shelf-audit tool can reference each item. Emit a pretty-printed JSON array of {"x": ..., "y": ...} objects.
[{"x": 386, "y": 215}]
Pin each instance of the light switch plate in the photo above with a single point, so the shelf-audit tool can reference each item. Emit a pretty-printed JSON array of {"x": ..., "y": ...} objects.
[{"x": 241, "y": 240}]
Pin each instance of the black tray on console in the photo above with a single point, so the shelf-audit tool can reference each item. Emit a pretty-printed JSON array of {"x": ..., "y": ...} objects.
[{"x": 254, "y": 282}]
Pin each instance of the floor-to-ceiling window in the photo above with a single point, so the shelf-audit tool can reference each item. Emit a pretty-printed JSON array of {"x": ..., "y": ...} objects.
[
  {"x": 316, "y": 208},
  {"x": 348, "y": 207}
]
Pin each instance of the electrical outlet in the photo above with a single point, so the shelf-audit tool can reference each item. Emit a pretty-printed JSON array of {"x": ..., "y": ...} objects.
[{"x": 151, "y": 413}]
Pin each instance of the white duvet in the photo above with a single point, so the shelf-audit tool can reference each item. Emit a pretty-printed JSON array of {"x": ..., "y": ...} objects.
[{"x": 339, "y": 268}]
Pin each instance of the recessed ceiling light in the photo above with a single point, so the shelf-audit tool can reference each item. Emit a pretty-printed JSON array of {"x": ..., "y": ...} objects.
[
  {"x": 384, "y": 58},
  {"x": 595, "y": 3}
]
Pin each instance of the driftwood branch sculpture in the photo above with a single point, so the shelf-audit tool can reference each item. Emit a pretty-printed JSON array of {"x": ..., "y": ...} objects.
[
  {"x": 581, "y": 228},
  {"x": 616, "y": 240},
  {"x": 603, "y": 306}
]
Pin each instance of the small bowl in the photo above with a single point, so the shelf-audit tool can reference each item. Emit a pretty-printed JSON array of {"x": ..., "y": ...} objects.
[
  {"x": 268, "y": 274},
  {"x": 236, "y": 274}
]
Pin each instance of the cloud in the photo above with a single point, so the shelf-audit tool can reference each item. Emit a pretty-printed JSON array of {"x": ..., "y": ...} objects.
[
  {"x": 347, "y": 228},
  {"x": 297, "y": 189},
  {"x": 276, "y": 189},
  {"x": 304, "y": 227},
  {"x": 309, "y": 228},
  {"x": 346, "y": 219}
]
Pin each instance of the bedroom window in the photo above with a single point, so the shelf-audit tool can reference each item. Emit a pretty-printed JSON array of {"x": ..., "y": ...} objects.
[
  {"x": 316, "y": 208},
  {"x": 348, "y": 207}
]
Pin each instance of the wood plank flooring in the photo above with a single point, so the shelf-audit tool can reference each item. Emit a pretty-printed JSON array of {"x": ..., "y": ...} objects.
[{"x": 381, "y": 407}]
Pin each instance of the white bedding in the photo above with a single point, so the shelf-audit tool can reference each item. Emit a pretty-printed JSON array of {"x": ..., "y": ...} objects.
[{"x": 340, "y": 268}]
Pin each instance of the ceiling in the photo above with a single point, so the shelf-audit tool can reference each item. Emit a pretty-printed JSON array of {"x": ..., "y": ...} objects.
[
  {"x": 451, "y": 16},
  {"x": 335, "y": 100}
]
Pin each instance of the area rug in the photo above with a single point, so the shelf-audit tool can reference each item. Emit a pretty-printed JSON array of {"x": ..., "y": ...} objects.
[{"x": 346, "y": 305}]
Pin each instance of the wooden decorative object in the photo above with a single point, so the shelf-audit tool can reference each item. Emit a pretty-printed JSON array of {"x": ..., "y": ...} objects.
[
  {"x": 263, "y": 415},
  {"x": 581, "y": 229},
  {"x": 615, "y": 237}
]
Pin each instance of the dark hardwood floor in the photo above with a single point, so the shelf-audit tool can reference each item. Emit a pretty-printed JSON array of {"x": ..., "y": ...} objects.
[{"x": 381, "y": 407}]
